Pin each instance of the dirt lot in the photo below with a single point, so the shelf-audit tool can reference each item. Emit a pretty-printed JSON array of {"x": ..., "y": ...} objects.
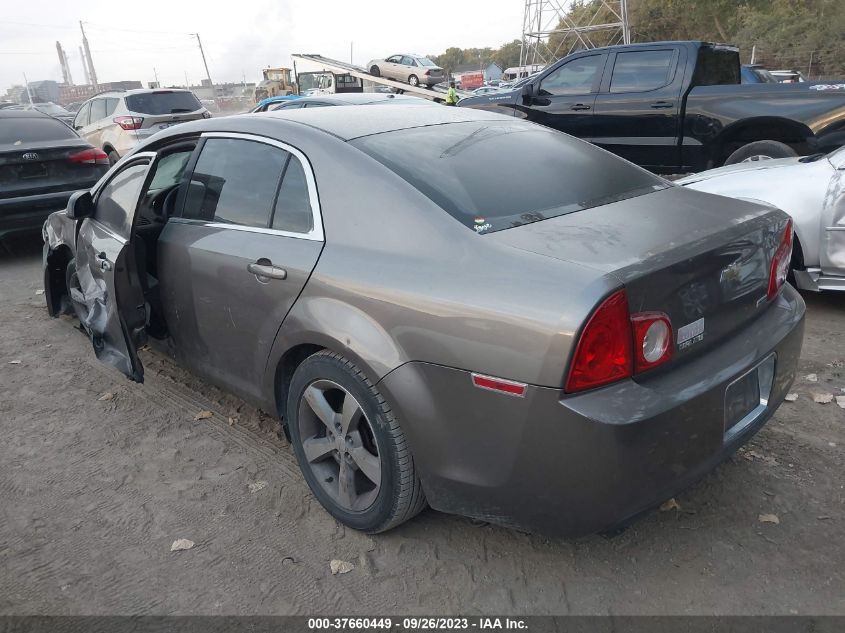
[{"x": 98, "y": 476}]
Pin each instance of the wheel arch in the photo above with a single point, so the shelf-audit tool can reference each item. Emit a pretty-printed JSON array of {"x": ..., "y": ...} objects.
[
  {"x": 55, "y": 284},
  {"x": 793, "y": 133},
  {"x": 318, "y": 323}
]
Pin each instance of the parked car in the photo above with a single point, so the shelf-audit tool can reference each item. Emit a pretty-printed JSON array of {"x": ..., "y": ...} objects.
[
  {"x": 51, "y": 109},
  {"x": 560, "y": 354},
  {"x": 756, "y": 74},
  {"x": 675, "y": 107},
  {"x": 485, "y": 90},
  {"x": 812, "y": 191},
  {"x": 42, "y": 161},
  {"x": 116, "y": 121},
  {"x": 347, "y": 99},
  {"x": 788, "y": 76},
  {"x": 269, "y": 102},
  {"x": 413, "y": 69}
]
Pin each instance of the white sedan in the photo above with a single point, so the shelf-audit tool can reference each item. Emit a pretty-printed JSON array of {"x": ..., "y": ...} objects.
[{"x": 812, "y": 190}]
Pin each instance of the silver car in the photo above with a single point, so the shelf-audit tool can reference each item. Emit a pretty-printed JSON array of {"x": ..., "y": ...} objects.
[
  {"x": 812, "y": 191},
  {"x": 559, "y": 354},
  {"x": 116, "y": 121},
  {"x": 412, "y": 69}
]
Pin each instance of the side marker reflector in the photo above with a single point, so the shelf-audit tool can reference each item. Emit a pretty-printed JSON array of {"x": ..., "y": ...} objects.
[{"x": 501, "y": 385}]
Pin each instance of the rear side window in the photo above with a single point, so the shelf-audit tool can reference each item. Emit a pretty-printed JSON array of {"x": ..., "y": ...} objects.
[
  {"x": 493, "y": 175},
  {"x": 24, "y": 130},
  {"x": 235, "y": 182},
  {"x": 162, "y": 102},
  {"x": 293, "y": 205},
  {"x": 638, "y": 71},
  {"x": 111, "y": 105}
]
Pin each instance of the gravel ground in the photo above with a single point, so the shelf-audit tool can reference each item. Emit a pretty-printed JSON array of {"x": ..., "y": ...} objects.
[{"x": 99, "y": 476}]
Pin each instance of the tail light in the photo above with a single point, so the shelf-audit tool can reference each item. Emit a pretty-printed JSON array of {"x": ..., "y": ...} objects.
[
  {"x": 652, "y": 340},
  {"x": 91, "y": 156},
  {"x": 428, "y": 72},
  {"x": 616, "y": 344},
  {"x": 603, "y": 354},
  {"x": 781, "y": 262},
  {"x": 129, "y": 122}
]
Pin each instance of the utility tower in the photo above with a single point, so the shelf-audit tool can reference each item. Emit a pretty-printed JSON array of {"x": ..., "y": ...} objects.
[
  {"x": 572, "y": 30},
  {"x": 91, "y": 72},
  {"x": 65, "y": 66},
  {"x": 85, "y": 66}
]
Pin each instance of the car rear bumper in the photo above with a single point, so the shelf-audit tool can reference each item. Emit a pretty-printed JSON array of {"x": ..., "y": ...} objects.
[
  {"x": 28, "y": 213},
  {"x": 432, "y": 80},
  {"x": 574, "y": 465}
]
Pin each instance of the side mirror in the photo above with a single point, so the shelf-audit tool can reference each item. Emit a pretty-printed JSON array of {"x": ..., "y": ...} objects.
[
  {"x": 80, "y": 205},
  {"x": 529, "y": 90}
]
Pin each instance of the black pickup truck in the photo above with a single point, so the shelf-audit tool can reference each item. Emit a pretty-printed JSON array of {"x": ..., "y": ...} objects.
[{"x": 676, "y": 106}]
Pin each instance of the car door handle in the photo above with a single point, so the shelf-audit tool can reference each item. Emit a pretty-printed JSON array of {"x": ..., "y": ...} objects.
[
  {"x": 267, "y": 270},
  {"x": 580, "y": 106},
  {"x": 662, "y": 105}
]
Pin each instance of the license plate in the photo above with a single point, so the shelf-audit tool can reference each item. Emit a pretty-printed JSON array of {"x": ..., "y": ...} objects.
[{"x": 32, "y": 171}]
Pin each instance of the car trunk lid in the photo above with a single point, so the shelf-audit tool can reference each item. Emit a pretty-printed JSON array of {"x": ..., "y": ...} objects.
[
  {"x": 44, "y": 167},
  {"x": 702, "y": 260}
]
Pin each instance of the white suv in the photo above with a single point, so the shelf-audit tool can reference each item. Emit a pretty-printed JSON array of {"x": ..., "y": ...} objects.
[{"x": 116, "y": 121}]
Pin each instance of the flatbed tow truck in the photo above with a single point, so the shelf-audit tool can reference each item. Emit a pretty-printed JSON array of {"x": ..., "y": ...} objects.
[{"x": 434, "y": 93}]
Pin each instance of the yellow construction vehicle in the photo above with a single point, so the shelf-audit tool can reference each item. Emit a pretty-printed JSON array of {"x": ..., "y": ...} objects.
[{"x": 276, "y": 82}]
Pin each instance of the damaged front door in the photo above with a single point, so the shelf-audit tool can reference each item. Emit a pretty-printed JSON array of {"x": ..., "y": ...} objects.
[{"x": 104, "y": 284}]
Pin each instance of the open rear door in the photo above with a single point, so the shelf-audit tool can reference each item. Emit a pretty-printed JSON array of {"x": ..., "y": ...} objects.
[{"x": 104, "y": 286}]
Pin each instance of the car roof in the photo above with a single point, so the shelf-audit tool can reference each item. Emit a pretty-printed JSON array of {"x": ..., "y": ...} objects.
[
  {"x": 350, "y": 123},
  {"x": 136, "y": 91},
  {"x": 23, "y": 114},
  {"x": 357, "y": 98}
]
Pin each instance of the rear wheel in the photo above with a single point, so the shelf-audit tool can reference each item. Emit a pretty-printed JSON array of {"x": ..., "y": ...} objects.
[
  {"x": 414, "y": 80},
  {"x": 374, "y": 71},
  {"x": 349, "y": 446},
  {"x": 759, "y": 151}
]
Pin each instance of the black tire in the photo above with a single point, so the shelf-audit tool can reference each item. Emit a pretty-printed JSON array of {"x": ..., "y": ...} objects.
[
  {"x": 374, "y": 71},
  {"x": 414, "y": 80},
  {"x": 113, "y": 157},
  {"x": 761, "y": 150},
  {"x": 399, "y": 497}
]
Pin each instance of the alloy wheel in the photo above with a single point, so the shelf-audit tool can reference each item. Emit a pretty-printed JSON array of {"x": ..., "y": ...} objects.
[{"x": 339, "y": 445}]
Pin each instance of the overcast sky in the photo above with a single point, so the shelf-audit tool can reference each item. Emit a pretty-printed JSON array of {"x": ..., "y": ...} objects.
[{"x": 240, "y": 37}]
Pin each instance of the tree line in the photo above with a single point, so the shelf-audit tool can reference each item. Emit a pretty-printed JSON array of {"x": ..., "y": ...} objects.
[{"x": 805, "y": 35}]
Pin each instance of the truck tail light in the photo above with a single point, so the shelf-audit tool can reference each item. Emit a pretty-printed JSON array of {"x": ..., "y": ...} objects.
[
  {"x": 616, "y": 344},
  {"x": 603, "y": 353},
  {"x": 91, "y": 156},
  {"x": 129, "y": 122},
  {"x": 781, "y": 262}
]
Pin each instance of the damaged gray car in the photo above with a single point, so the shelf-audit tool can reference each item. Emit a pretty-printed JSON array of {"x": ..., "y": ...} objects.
[{"x": 560, "y": 354}]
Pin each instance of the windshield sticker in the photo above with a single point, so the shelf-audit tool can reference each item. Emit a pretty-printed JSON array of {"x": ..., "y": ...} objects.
[
  {"x": 828, "y": 87},
  {"x": 481, "y": 225}
]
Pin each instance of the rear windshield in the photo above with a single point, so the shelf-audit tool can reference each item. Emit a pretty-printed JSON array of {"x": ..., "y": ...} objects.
[
  {"x": 20, "y": 131},
  {"x": 163, "y": 102},
  {"x": 494, "y": 175},
  {"x": 716, "y": 67}
]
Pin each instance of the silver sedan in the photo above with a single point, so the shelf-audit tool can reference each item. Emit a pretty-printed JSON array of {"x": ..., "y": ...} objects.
[{"x": 812, "y": 191}]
